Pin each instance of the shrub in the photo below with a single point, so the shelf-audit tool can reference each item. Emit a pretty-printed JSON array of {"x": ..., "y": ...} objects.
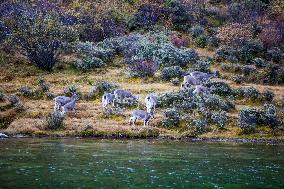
[
  {"x": 200, "y": 125},
  {"x": 226, "y": 53},
  {"x": 259, "y": 62},
  {"x": 249, "y": 49},
  {"x": 248, "y": 119},
  {"x": 112, "y": 24},
  {"x": 220, "y": 119},
  {"x": 92, "y": 50},
  {"x": 270, "y": 36},
  {"x": 234, "y": 34},
  {"x": 196, "y": 31},
  {"x": 178, "y": 41},
  {"x": 238, "y": 79},
  {"x": 248, "y": 70},
  {"x": 268, "y": 95},
  {"x": 26, "y": 91},
  {"x": 268, "y": 116},
  {"x": 201, "y": 41},
  {"x": 70, "y": 90},
  {"x": 231, "y": 67},
  {"x": 202, "y": 65},
  {"x": 219, "y": 88},
  {"x": 127, "y": 102},
  {"x": 13, "y": 99},
  {"x": 168, "y": 55},
  {"x": 169, "y": 73},
  {"x": 213, "y": 42},
  {"x": 54, "y": 120},
  {"x": 251, "y": 93},
  {"x": 214, "y": 102},
  {"x": 171, "y": 118},
  {"x": 179, "y": 16},
  {"x": 274, "y": 54},
  {"x": 38, "y": 31},
  {"x": 89, "y": 63},
  {"x": 43, "y": 85},
  {"x": 2, "y": 97},
  {"x": 4, "y": 31},
  {"x": 143, "y": 68},
  {"x": 175, "y": 81},
  {"x": 100, "y": 88},
  {"x": 148, "y": 15}
]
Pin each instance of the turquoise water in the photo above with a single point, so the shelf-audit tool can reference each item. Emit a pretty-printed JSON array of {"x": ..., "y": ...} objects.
[{"x": 90, "y": 163}]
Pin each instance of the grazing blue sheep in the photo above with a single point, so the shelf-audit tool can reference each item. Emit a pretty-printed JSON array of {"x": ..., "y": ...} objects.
[
  {"x": 60, "y": 101},
  {"x": 141, "y": 115},
  {"x": 200, "y": 90},
  {"x": 201, "y": 76},
  {"x": 189, "y": 80},
  {"x": 107, "y": 99},
  {"x": 151, "y": 102},
  {"x": 70, "y": 106},
  {"x": 121, "y": 94}
]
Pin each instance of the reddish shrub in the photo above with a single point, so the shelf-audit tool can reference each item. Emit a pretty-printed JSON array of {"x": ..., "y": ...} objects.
[{"x": 234, "y": 34}]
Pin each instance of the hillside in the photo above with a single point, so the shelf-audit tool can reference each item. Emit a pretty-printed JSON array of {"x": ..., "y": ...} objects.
[{"x": 145, "y": 48}]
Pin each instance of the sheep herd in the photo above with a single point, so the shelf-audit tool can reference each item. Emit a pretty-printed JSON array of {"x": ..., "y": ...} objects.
[{"x": 195, "y": 79}]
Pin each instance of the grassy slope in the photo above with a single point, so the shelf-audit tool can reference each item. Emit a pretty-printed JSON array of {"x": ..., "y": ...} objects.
[{"x": 89, "y": 119}]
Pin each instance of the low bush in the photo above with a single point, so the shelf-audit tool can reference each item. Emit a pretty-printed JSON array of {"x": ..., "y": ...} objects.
[
  {"x": 143, "y": 68},
  {"x": 248, "y": 119},
  {"x": 213, "y": 42},
  {"x": 200, "y": 125},
  {"x": 54, "y": 120},
  {"x": 268, "y": 95},
  {"x": 234, "y": 34},
  {"x": 226, "y": 53},
  {"x": 268, "y": 116},
  {"x": 89, "y": 63},
  {"x": 275, "y": 54},
  {"x": 220, "y": 119},
  {"x": 259, "y": 63},
  {"x": 175, "y": 81},
  {"x": 202, "y": 65},
  {"x": 219, "y": 88},
  {"x": 248, "y": 70},
  {"x": 100, "y": 88},
  {"x": 14, "y": 100},
  {"x": 70, "y": 90},
  {"x": 201, "y": 41},
  {"x": 249, "y": 49},
  {"x": 197, "y": 31},
  {"x": 238, "y": 79},
  {"x": 169, "y": 55},
  {"x": 26, "y": 91},
  {"x": 171, "y": 118},
  {"x": 43, "y": 85},
  {"x": 169, "y": 73},
  {"x": 2, "y": 97}
]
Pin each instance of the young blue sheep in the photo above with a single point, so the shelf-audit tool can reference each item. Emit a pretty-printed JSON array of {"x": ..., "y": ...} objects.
[
  {"x": 189, "y": 80},
  {"x": 60, "y": 101},
  {"x": 151, "y": 102},
  {"x": 70, "y": 106},
  {"x": 121, "y": 94},
  {"x": 140, "y": 115},
  {"x": 107, "y": 99},
  {"x": 200, "y": 90},
  {"x": 201, "y": 76}
]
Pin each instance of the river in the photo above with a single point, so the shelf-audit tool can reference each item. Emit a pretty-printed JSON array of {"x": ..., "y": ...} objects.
[{"x": 102, "y": 163}]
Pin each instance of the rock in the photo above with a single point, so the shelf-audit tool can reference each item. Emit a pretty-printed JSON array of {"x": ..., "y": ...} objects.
[{"x": 3, "y": 135}]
